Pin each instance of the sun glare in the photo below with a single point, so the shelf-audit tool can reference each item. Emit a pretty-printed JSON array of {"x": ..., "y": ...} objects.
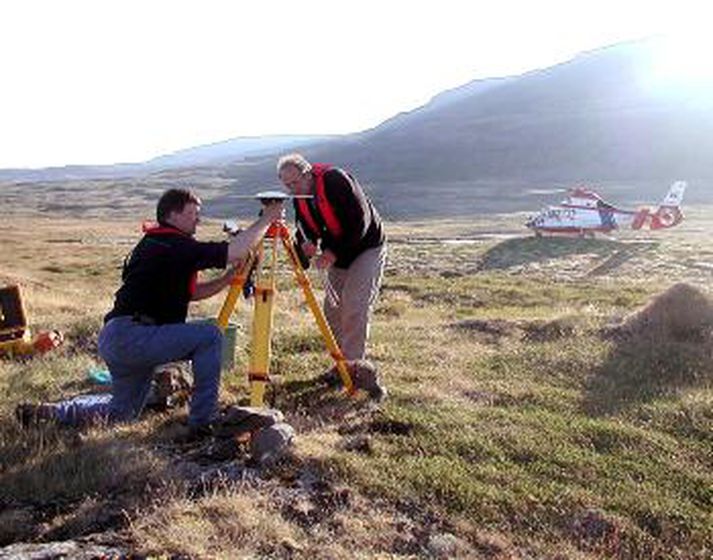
[{"x": 683, "y": 64}]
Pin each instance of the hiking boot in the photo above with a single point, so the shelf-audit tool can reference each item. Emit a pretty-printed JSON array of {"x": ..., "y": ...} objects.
[
  {"x": 364, "y": 376},
  {"x": 28, "y": 414}
]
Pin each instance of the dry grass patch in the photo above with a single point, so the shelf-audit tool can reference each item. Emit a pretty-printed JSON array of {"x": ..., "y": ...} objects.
[
  {"x": 232, "y": 521},
  {"x": 662, "y": 350},
  {"x": 682, "y": 312}
]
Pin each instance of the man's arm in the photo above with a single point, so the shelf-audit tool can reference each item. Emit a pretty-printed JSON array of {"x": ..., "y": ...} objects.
[
  {"x": 211, "y": 287},
  {"x": 243, "y": 242}
]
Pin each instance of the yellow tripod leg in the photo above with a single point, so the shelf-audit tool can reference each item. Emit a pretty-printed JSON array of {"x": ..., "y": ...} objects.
[
  {"x": 231, "y": 300},
  {"x": 258, "y": 374},
  {"x": 327, "y": 334}
]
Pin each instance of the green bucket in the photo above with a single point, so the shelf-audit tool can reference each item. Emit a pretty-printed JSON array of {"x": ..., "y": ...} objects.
[{"x": 227, "y": 357}]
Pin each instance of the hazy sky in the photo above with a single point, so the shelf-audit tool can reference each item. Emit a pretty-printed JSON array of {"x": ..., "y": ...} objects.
[{"x": 105, "y": 81}]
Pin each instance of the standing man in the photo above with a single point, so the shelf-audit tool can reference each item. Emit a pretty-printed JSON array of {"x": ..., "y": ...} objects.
[
  {"x": 340, "y": 227},
  {"x": 147, "y": 325}
]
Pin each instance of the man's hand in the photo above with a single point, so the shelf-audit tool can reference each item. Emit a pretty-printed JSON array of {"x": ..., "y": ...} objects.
[
  {"x": 325, "y": 260},
  {"x": 274, "y": 211},
  {"x": 309, "y": 249},
  {"x": 242, "y": 243}
]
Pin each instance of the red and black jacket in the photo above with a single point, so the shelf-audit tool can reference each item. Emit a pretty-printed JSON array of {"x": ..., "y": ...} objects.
[
  {"x": 160, "y": 274},
  {"x": 340, "y": 217}
]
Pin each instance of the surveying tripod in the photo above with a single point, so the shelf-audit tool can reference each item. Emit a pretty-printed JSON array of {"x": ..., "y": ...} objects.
[{"x": 264, "y": 294}]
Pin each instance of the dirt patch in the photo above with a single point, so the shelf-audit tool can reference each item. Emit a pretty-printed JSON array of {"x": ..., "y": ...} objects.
[
  {"x": 494, "y": 330},
  {"x": 594, "y": 530},
  {"x": 320, "y": 500},
  {"x": 547, "y": 331},
  {"x": 359, "y": 444},
  {"x": 393, "y": 427},
  {"x": 484, "y": 398},
  {"x": 17, "y": 524}
]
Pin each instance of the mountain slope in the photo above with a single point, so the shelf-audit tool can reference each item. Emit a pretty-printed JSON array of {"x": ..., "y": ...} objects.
[
  {"x": 215, "y": 154},
  {"x": 591, "y": 118},
  {"x": 596, "y": 119},
  {"x": 228, "y": 150},
  {"x": 493, "y": 145}
]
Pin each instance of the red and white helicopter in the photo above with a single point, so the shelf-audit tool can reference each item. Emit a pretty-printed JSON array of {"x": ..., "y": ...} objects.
[{"x": 585, "y": 213}]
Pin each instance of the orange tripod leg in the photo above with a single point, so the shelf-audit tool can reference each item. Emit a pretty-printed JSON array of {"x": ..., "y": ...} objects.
[
  {"x": 330, "y": 341},
  {"x": 236, "y": 288}
]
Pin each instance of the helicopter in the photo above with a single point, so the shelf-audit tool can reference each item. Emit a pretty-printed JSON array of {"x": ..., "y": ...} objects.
[{"x": 584, "y": 213}]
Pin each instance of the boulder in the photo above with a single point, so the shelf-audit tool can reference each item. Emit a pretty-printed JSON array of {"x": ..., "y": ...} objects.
[
  {"x": 237, "y": 421},
  {"x": 65, "y": 549},
  {"x": 268, "y": 444}
]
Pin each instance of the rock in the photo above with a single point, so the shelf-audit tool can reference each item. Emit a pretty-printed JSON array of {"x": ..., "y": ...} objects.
[
  {"x": 170, "y": 387},
  {"x": 239, "y": 420},
  {"x": 445, "y": 545},
  {"x": 270, "y": 443},
  {"x": 76, "y": 550}
]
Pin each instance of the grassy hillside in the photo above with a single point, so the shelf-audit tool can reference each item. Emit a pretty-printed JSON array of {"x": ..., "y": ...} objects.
[{"x": 517, "y": 425}]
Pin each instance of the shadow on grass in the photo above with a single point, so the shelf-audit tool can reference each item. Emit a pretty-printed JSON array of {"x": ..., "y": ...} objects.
[
  {"x": 67, "y": 483},
  {"x": 49, "y": 464},
  {"x": 641, "y": 369},
  {"x": 526, "y": 250},
  {"x": 313, "y": 403}
]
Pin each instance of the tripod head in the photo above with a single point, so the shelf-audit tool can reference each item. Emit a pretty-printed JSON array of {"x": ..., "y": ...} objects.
[{"x": 268, "y": 197}]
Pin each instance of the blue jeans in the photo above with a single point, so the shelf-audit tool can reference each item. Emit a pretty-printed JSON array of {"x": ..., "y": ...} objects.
[
  {"x": 132, "y": 350},
  {"x": 82, "y": 409}
]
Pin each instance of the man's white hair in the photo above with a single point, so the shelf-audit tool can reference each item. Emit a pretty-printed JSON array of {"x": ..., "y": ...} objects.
[{"x": 296, "y": 160}]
